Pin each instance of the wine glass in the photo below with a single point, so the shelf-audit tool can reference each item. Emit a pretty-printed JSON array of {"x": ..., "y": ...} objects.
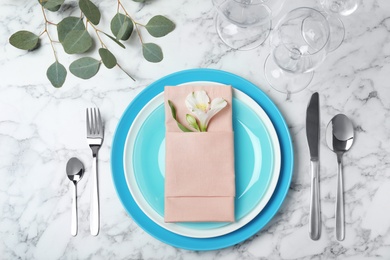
[
  {"x": 334, "y": 9},
  {"x": 242, "y": 24},
  {"x": 299, "y": 44},
  {"x": 340, "y": 7},
  {"x": 337, "y": 31}
]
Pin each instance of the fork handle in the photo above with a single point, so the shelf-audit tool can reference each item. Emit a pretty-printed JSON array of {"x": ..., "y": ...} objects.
[{"x": 94, "y": 213}]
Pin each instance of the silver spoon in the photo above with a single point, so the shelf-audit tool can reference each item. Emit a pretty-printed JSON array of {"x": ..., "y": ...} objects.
[
  {"x": 74, "y": 171},
  {"x": 339, "y": 137}
]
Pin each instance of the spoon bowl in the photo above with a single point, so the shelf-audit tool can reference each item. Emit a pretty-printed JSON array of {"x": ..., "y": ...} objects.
[
  {"x": 340, "y": 134},
  {"x": 339, "y": 137},
  {"x": 74, "y": 171}
]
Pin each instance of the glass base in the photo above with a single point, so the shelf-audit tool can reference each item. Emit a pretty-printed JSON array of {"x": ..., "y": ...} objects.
[
  {"x": 337, "y": 32},
  {"x": 340, "y": 7},
  {"x": 242, "y": 38},
  {"x": 283, "y": 81}
]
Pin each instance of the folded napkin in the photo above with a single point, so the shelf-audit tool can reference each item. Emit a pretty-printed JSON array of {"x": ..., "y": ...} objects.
[{"x": 199, "y": 175}]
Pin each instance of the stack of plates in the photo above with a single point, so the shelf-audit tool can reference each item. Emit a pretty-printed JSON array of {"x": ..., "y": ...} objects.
[{"x": 263, "y": 162}]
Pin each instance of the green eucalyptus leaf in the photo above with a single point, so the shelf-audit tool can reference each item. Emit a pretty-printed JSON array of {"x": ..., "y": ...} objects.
[
  {"x": 122, "y": 34},
  {"x": 115, "y": 40},
  {"x": 173, "y": 111},
  {"x": 67, "y": 25},
  {"x": 56, "y": 73},
  {"x": 152, "y": 52},
  {"x": 78, "y": 41},
  {"x": 159, "y": 26},
  {"x": 24, "y": 40},
  {"x": 139, "y": 1},
  {"x": 85, "y": 67},
  {"x": 51, "y": 5},
  {"x": 121, "y": 26},
  {"x": 90, "y": 10},
  {"x": 108, "y": 58},
  {"x": 53, "y": 9}
]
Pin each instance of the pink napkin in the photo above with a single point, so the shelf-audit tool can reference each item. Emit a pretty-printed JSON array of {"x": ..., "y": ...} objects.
[{"x": 199, "y": 175}]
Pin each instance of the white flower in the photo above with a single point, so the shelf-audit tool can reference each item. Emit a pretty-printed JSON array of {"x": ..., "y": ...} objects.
[{"x": 199, "y": 103}]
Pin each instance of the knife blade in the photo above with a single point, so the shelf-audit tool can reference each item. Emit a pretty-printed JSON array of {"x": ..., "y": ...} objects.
[{"x": 313, "y": 137}]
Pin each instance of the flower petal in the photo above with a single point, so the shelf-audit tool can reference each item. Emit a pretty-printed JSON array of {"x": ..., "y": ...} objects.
[
  {"x": 201, "y": 97},
  {"x": 217, "y": 104},
  {"x": 191, "y": 102}
]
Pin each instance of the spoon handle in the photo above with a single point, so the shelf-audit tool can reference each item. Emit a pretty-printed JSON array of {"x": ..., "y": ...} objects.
[
  {"x": 315, "y": 218},
  {"x": 94, "y": 213},
  {"x": 73, "y": 227},
  {"x": 340, "y": 202}
]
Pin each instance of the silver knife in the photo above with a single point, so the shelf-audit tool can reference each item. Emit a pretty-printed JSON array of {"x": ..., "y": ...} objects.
[{"x": 313, "y": 137}]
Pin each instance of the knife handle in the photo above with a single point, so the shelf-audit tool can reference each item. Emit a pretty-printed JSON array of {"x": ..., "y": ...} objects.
[{"x": 315, "y": 218}]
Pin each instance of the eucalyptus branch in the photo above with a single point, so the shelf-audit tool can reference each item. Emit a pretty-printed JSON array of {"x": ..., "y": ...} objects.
[
  {"x": 47, "y": 32},
  {"x": 119, "y": 66},
  {"x": 138, "y": 33},
  {"x": 157, "y": 26},
  {"x": 124, "y": 9},
  {"x": 134, "y": 22},
  {"x": 104, "y": 46},
  {"x": 75, "y": 38},
  {"x": 97, "y": 33}
]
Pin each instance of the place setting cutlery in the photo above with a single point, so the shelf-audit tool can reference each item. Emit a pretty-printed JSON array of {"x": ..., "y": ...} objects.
[
  {"x": 339, "y": 138},
  {"x": 75, "y": 171},
  {"x": 95, "y": 133},
  {"x": 313, "y": 139}
]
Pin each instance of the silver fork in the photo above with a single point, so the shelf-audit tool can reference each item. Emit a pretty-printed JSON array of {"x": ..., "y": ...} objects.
[{"x": 95, "y": 133}]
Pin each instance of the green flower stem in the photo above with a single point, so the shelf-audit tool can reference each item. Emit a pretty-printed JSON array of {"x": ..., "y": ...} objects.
[
  {"x": 47, "y": 32},
  {"x": 173, "y": 111}
]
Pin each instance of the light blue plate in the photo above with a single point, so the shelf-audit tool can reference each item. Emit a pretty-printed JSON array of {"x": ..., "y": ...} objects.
[
  {"x": 251, "y": 183},
  {"x": 201, "y": 243}
]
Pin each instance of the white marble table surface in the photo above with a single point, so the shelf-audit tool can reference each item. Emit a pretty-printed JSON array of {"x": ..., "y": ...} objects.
[{"x": 42, "y": 127}]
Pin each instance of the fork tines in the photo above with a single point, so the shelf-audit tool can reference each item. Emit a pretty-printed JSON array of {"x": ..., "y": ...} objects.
[{"x": 94, "y": 122}]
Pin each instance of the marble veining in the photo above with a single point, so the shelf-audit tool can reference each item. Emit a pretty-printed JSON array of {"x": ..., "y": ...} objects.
[{"x": 42, "y": 127}]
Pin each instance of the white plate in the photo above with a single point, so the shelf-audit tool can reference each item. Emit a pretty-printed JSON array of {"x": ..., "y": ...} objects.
[{"x": 177, "y": 227}]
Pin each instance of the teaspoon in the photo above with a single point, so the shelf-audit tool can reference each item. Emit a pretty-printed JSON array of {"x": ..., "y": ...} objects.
[
  {"x": 339, "y": 137},
  {"x": 74, "y": 171}
]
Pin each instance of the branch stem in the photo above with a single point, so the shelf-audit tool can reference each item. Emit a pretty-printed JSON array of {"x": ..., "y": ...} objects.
[
  {"x": 47, "y": 22},
  {"x": 135, "y": 23},
  {"x": 97, "y": 34},
  {"x": 97, "y": 31},
  {"x": 119, "y": 66}
]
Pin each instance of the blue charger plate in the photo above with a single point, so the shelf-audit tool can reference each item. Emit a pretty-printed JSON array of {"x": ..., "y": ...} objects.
[{"x": 201, "y": 243}]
